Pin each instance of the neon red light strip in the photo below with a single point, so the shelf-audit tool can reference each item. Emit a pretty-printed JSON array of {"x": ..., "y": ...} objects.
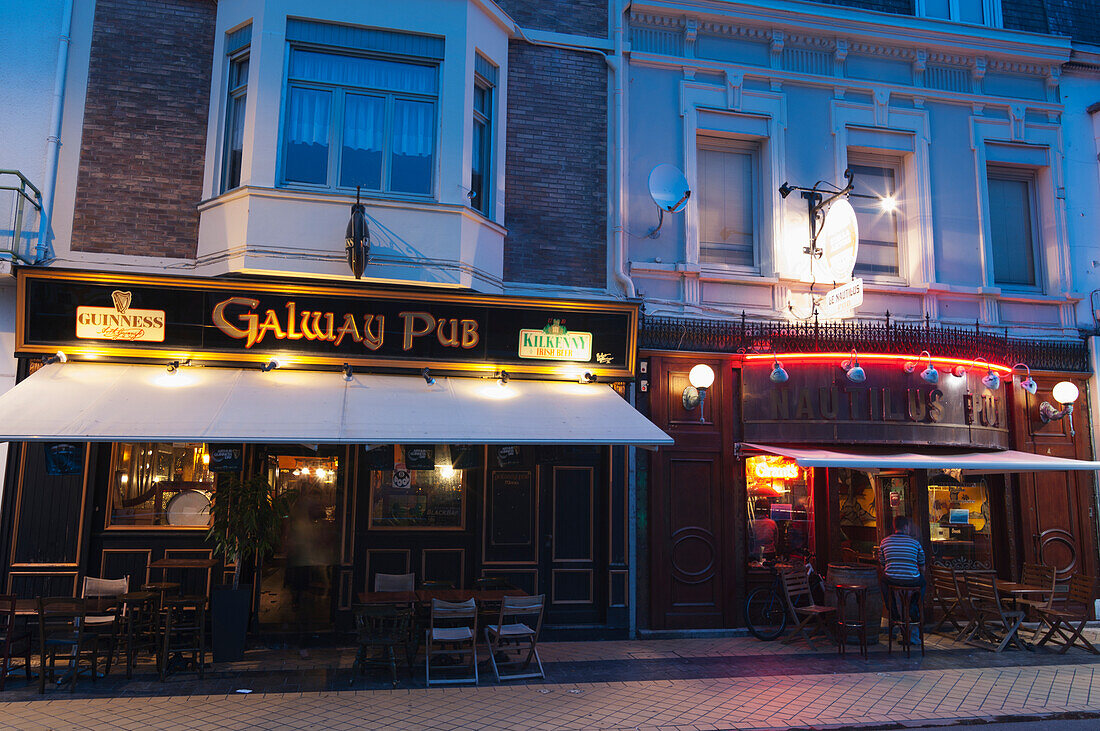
[{"x": 810, "y": 357}]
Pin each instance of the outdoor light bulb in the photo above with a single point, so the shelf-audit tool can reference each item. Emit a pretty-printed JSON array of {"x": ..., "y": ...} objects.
[
  {"x": 991, "y": 380},
  {"x": 502, "y": 381},
  {"x": 1065, "y": 392},
  {"x": 888, "y": 204},
  {"x": 778, "y": 374},
  {"x": 701, "y": 376},
  {"x": 959, "y": 371}
]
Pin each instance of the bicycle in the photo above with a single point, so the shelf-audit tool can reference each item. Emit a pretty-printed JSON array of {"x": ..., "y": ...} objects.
[{"x": 766, "y": 606}]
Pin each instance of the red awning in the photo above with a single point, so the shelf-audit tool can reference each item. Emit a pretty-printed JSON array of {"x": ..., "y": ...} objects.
[{"x": 981, "y": 463}]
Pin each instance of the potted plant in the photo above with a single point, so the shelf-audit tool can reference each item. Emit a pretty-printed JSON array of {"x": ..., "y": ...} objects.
[{"x": 245, "y": 527}]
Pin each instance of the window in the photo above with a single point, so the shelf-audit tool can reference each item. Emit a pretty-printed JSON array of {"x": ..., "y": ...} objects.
[
  {"x": 959, "y": 521},
  {"x": 780, "y": 509},
  {"x": 481, "y": 177},
  {"x": 879, "y": 177},
  {"x": 360, "y": 121},
  {"x": 419, "y": 487},
  {"x": 978, "y": 12},
  {"x": 160, "y": 485},
  {"x": 1012, "y": 227},
  {"x": 727, "y": 183},
  {"x": 234, "y": 122}
]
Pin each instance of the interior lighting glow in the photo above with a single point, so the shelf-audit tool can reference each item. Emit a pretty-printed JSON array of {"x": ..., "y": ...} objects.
[
  {"x": 772, "y": 471},
  {"x": 446, "y": 471},
  {"x": 1065, "y": 392}
]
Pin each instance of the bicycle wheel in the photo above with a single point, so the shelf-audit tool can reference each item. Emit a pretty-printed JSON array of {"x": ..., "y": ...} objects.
[{"x": 764, "y": 613}]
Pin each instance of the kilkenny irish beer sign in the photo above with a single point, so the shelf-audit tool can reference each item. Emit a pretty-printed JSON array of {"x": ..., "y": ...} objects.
[{"x": 227, "y": 321}]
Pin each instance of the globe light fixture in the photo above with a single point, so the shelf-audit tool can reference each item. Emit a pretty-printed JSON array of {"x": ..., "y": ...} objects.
[
  {"x": 1065, "y": 393},
  {"x": 701, "y": 377}
]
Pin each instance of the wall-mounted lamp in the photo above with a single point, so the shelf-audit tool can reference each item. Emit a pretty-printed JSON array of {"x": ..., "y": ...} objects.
[
  {"x": 503, "y": 379},
  {"x": 929, "y": 374},
  {"x": 174, "y": 366},
  {"x": 779, "y": 373},
  {"x": 1064, "y": 393},
  {"x": 587, "y": 377},
  {"x": 426, "y": 374},
  {"x": 701, "y": 378},
  {"x": 853, "y": 369},
  {"x": 888, "y": 204},
  {"x": 270, "y": 365},
  {"x": 348, "y": 372},
  {"x": 357, "y": 238},
  {"x": 57, "y": 357},
  {"x": 1028, "y": 384},
  {"x": 991, "y": 379}
]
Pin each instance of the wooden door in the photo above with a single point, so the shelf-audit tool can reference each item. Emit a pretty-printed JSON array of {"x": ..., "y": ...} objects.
[
  {"x": 1057, "y": 515},
  {"x": 572, "y": 568},
  {"x": 696, "y": 498}
]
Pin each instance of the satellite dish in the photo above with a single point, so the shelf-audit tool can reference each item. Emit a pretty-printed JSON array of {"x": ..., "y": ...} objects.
[{"x": 669, "y": 188}]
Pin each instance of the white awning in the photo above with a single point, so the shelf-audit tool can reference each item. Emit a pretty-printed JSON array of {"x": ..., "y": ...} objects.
[
  {"x": 982, "y": 463},
  {"x": 99, "y": 402}
]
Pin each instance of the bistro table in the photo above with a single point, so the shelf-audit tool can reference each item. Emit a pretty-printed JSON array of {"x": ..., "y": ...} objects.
[
  {"x": 425, "y": 596},
  {"x": 181, "y": 564}
]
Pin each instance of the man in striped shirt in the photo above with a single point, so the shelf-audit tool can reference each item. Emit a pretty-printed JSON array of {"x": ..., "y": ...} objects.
[{"x": 902, "y": 558}]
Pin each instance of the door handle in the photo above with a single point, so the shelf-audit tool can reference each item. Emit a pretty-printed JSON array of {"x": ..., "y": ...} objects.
[{"x": 548, "y": 540}]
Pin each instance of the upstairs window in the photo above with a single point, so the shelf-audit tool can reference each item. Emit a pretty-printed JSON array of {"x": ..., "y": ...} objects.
[
  {"x": 977, "y": 12},
  {"x": 728, "y": 174},
  {"x": 236, "y": 94},
  {"x": 481, "y": 158},
  {"x": 356, "y": 120},
  {"x": 1012, "y": 230},
  {"x": 879, "y": 217}
]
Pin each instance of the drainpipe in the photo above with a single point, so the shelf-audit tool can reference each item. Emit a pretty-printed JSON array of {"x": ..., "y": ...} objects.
[
  {"x": 617, "y": 62},
  {"x": 53, "y": 142}
]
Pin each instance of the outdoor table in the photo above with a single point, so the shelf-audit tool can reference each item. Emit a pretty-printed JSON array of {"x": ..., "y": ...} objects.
[{"x": 181, "y": 564}]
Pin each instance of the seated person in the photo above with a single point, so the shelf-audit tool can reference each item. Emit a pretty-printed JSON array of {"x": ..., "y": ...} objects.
[
  {"x": 765, "y": 531},
  {"x": 902, "y": 558}
]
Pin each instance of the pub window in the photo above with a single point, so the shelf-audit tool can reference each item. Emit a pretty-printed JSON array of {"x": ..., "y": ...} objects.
[
  {"x": 417, "y": 487},
  {"x": 858, "y": 511},
  {"x": 1012, "y": 227},
  {"x": 160, "y": 485},
  {"x": 959, "y": 521},
  {"x": 880, "y": 227},
  {"x": 780, "y": 510}
]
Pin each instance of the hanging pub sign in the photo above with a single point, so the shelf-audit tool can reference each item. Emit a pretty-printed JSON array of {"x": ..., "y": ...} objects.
[
  {"x": 819, "y": 404},
  {"x": 164, "y": 318}
]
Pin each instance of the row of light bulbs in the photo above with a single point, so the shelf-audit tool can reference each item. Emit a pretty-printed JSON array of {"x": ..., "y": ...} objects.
[{"x": 855, "y": 373}]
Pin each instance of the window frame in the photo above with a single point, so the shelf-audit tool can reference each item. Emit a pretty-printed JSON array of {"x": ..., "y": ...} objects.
[
  {"x": 896, "y": 161},
  {"x": 1029, "y": 176},
  {"x": 488, "y": 152},
  {"x": 337, "y": 106},
  {"x": 110, "y": 525},
  {"x": 753, "y": 147},
  {"x": 991, "y": 12},
  {"x": 236, "y": 98}
]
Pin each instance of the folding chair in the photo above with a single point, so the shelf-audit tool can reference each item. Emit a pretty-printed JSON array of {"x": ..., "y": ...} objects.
[
  {"x": 102, "y": 623},
  {"x": 11, "y": 640},
  {"x": 796, "y": 587},
  {"x": 989, "y": 611},
  {"x": 451, "y": 633},
  {"x": 946, "y": 595},
  {"x": 512, "y": 634},
  {"x": 1038, "y": 575},
  {"x": 380, "y": 629},
  {"x": 395, "y": 582},
  {"x": 1071, "y": 613}
]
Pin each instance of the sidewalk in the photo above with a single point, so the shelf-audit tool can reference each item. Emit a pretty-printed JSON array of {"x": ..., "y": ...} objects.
[{"x": 668, "y": 684}]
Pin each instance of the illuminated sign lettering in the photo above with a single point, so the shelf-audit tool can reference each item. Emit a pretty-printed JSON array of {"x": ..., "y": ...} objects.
[
  {"x": 120, "y": 322},
  {"x": 777, "y": 471}
]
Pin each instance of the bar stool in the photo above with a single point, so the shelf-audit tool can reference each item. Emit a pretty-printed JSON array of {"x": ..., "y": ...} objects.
[
  {"x": 844, "y": 625},
  {"x": 162, "y": 589},
  {"x": 183, "y": 633},
  {"x": 903, "y": 597}
]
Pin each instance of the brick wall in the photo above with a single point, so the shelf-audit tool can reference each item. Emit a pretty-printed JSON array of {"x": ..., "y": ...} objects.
[
  {"x": 144, "y": 137},
  {"x": 584, "y": 17},
  {"x": 556, "y": 192}
]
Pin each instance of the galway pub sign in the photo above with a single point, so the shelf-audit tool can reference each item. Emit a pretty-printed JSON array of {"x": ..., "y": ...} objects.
[{"x": 233, "y": 321}]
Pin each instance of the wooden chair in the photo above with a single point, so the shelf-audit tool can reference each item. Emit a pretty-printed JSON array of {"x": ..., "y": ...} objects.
[
  {"x": 102, "y": 620},
  {"x": 183, "y": 633},
  {"x": 13, "y": 643},
  {"x": 61, "y": 635},
  {"x": 395, "y": 582},
  {"x": 801, "y": 607},
  {"x": 380, "y": 629},
  {"x": 949, "y": 598},
  {"x": 1035, "y": 574},
  {"x": 1071, "y": 614},
  {"x": 516, "y": 630},
  {"x": 990, "y": 612},
  {"x": 451, "y": 633},
  {"x": 137, "y": 629}
]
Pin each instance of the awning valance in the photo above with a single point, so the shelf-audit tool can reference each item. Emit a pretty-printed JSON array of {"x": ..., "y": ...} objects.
[
  {"x": 970, "y": 462},
  {"x": 99, "y": 402}
]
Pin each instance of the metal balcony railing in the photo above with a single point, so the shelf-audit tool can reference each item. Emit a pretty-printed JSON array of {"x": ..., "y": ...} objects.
[{"x": 21, "y": 206}]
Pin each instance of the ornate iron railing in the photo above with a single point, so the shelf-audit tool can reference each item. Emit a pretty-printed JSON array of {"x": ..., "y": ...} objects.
[{"x": 733, "y": 336}]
